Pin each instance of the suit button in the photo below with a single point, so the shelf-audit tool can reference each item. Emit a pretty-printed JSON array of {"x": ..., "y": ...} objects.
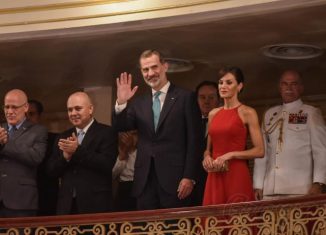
[{"x": 277, "y": 167}]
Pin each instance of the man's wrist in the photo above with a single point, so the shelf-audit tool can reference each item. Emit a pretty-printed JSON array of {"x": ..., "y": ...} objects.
[
  {"x": 119, "y": 102},
  {"x": 188, "y": 179},
  {"x": 123, "y": 157}
]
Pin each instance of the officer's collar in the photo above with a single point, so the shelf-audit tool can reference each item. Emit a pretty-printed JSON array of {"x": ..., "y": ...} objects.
[{"x": 293, "y": 105}]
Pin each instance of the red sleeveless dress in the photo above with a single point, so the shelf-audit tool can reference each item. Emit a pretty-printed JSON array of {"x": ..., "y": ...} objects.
[{"x": 228, "y": 133}]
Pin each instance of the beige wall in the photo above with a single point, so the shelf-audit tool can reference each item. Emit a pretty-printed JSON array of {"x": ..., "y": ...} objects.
[
  {"x": 28, "y": 15},
  {"x": 102, "y": 99},
  {"x": 24, "y": 16}
]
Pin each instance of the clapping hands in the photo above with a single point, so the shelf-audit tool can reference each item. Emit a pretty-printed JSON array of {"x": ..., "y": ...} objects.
[{"x": 68, "y": 146}]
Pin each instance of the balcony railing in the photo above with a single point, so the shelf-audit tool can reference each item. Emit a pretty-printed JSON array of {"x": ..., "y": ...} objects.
[{"x": 297, "y": 216}]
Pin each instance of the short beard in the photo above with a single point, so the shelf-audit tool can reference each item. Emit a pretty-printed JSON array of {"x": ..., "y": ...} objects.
[{"x": 153, "y": 84}]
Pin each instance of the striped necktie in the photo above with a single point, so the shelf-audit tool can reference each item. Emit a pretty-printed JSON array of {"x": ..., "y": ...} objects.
[{"x": 80, "y": 136}]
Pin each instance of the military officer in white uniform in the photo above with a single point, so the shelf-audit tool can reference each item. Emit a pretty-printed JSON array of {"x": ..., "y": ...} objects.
[{"x": 295, "y": 143}]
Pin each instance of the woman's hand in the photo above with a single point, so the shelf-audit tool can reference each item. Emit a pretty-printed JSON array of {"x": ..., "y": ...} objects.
[
  {"x": 220, "y": 163},
  {"x": 208, "y": 163}
]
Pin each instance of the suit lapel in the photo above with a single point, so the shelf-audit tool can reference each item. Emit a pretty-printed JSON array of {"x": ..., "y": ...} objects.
[
  {"x": 169, "y": 101},
  {"x": 147, "y": 111},
  {"x": 26, "y": 124},
  {"x": 89, "y": 134}
]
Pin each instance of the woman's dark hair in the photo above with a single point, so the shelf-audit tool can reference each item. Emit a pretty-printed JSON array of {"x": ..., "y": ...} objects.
[{"x": 235, "y": 71}]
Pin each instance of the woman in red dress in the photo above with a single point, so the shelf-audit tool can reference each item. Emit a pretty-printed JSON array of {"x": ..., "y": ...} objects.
[{"x": 225, "y": 158}]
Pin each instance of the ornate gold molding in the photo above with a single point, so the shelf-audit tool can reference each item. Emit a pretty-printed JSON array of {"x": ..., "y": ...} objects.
[
  {"x": 95, "y": 16},
  {"x": 302, "y": 216}
]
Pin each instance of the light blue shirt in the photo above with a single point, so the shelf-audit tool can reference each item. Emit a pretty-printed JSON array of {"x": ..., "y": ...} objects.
[{"x": 17, "y": 126}]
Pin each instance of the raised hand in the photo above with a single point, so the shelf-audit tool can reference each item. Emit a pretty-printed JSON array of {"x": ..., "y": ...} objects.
[{"x": 124, "y": 91}]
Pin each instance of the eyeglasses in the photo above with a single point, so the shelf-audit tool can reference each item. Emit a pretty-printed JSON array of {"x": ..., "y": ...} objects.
[{"x": 13, "y": 107}]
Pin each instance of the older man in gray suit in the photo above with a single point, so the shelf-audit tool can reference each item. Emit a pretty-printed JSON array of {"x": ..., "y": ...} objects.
[{"x": 22, "y": 148}]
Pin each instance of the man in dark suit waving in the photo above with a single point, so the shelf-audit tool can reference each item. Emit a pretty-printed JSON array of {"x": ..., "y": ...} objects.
[
  {"x": 84, "y": 158},
  {"x": 22, "y": 148},
  {"x": 168, "y": 123}
]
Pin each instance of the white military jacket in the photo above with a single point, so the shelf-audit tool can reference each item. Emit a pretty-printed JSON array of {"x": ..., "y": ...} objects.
[{"x": 295, "y": 150}]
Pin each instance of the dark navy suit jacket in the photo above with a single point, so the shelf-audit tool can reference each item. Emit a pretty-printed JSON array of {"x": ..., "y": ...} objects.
[
  {"x": 89, "y": 171},
  {"x": 174, "y": 147}
]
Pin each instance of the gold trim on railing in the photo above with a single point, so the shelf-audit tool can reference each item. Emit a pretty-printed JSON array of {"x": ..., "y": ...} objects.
[
  {"x": 305, "y": 217},
  {"x": 56, "y": 6},
  {"x": 94, "y": 16}
]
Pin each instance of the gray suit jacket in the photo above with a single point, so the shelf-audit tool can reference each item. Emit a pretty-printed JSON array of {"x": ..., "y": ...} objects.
[{"x": 19, "y": 159}]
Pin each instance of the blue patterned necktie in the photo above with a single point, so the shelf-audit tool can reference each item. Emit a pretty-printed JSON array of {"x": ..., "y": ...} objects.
[
  {"x": 12, "y": 131},
  {"x": 80, "y": 136},
  {"x": 156, "y": 107}
]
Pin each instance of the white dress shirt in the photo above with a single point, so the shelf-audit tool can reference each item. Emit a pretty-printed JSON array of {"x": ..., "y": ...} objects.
[
  {"x": 164, "y": 90},
  {"x": 124, "y": 169}
]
